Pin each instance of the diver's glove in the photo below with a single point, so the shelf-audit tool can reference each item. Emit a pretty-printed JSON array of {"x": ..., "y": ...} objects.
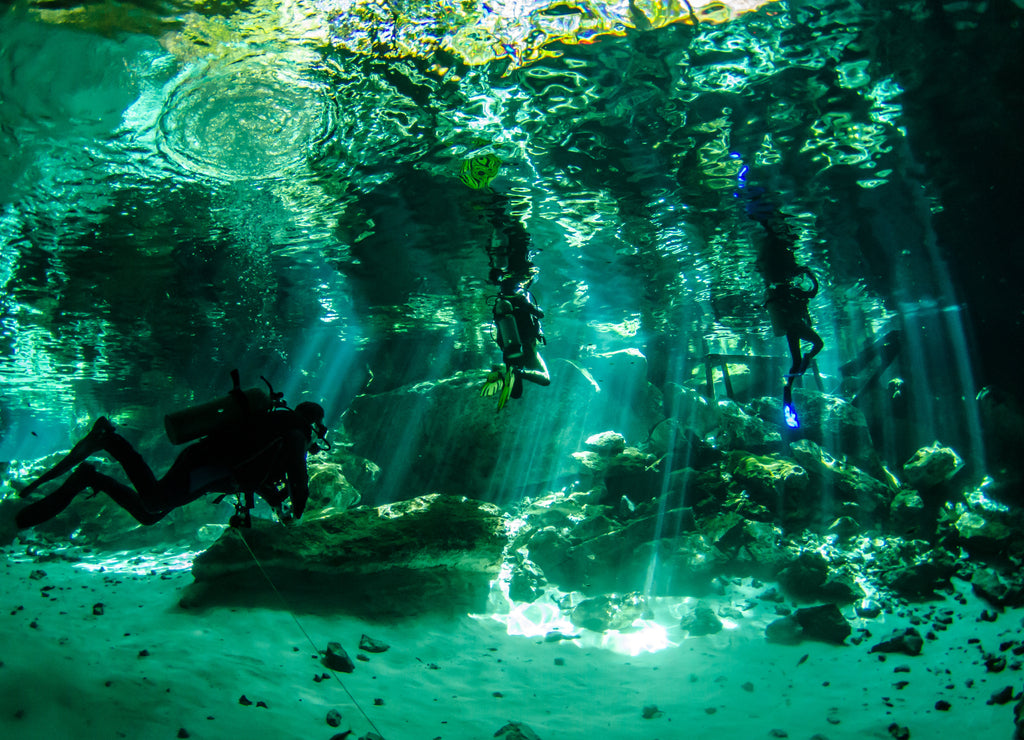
[{"x": 493, "y": 382}]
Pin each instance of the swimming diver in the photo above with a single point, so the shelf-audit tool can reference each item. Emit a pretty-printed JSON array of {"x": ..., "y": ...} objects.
[
  {"x": 518, "y": 331},
  {"x": 516, "y": 313},
  {"x": 789, "y": 287},
  {"x": 262, "y": 453}
]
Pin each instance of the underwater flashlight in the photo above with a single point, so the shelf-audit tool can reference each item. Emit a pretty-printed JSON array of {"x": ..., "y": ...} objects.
[{"x": 791, "y": 419}]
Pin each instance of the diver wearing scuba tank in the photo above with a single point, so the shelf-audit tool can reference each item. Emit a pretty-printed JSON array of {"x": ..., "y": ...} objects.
[{"x": 262, "y": 453}]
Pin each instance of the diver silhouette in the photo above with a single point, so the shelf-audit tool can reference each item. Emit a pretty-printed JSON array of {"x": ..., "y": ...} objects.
[
  {"x": 787, "y": 292},
  {"x": 261, "y": 453}
]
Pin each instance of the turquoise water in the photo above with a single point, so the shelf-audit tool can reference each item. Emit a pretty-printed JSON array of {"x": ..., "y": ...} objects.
[{"x": 190, "y": 188}]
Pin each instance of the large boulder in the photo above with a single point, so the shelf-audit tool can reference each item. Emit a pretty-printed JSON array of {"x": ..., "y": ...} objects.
[
  {"x": 859, "y": 494},
  {"x": 434, "y": 551},
  {"x": 932, "y": 465}
]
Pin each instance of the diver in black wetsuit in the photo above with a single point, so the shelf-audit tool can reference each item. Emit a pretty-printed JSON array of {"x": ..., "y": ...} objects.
[
  {"x": 787, "y": 292},
  {"x": 264, "y": 454},
  {"x": 517, "y": 320}
]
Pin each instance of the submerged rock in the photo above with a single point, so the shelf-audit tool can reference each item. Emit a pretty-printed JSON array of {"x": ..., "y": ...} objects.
[
  {"x": 932, "y": 465},
  {"x": 978, "y": 532},
  {"x": 810, "y": 578},
  {"x": 516, "y": 731},
  {"x": 857, "y": 491},
  {"x": 606, "y": 443},
  {"x": 610, "y": 612},
  {"x": 738, "y": 430},
  {"x": 998, "y": 590},
  {"x": 824, "y": 623},
  {"x": 337, "y": 659},
  {"x": 921, "y": 578},
  {"x": 771, "y": 481},
  {"x": 434, "y": 550},
  {"x": 691, "y": 408},
  {"x": 701, "y": 621},
  {"x": 908, "y": 642}
]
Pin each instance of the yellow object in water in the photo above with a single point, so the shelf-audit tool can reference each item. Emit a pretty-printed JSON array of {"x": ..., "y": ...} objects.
[
  {"x": 477, "y": 172},
  {"x": 492, "y": 384}
]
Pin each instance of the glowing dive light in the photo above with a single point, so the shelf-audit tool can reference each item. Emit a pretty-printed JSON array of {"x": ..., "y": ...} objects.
[{"x": 791, "y": 419}]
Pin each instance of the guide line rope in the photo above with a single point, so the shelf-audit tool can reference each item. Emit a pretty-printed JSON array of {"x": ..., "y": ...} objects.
[{"x": 302, "y": 629}]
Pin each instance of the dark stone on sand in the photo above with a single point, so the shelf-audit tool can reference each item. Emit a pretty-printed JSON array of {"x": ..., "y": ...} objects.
[
  {"x": 899, "y": 732},
  {"x": 701, "y": 621},
  {"x": 825, "y": 623},
  {"x": 868, "y": 609},
  {"x": 371, "y": 645},
  {"x": 183, "y": 733},
  {"x": 337, "y": 659},
  {"x": 943, "y": 706},
  {"x": 244, "y": 701},
  {"x": 995, "y": 663},
  {"x": 334, "y": 718},
  {"x": 908, "y": 642},
  {"x": 1003, "y": 696},
  {"x": 97, "y": 610},
  {"x": 516, "y": 731},
  {"x": 651, "y": 711}
]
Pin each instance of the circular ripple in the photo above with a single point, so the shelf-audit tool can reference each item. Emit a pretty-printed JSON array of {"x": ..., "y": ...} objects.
[{"x": 254, "y": 118}]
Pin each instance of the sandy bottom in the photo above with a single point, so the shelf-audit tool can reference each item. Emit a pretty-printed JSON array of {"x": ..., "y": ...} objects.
[{"x": 146, "y": 668}]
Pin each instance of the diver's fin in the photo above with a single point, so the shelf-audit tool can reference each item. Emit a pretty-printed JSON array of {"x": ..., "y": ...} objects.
[
  {"x": 506, "y": 388},
  {"x": 91, "y": 443},
  {"x": 492, "y": 384}
]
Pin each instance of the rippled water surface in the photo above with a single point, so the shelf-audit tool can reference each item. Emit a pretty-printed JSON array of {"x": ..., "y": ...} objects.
[{"x": 188, "y": 187}]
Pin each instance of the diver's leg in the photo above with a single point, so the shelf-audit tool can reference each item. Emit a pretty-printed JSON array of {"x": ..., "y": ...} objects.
[
  {"x": 54, "y": 503},
  {"x": 793, "y": 339},
  {"x": 535, "y": 370},
  {"x": 126, "y": 497},
  {"x": 808, "y": 334},
  {"x": 517, "y": 383},
  {"x": 137, "y": 470},
  {"x": 91, "y": 443}
]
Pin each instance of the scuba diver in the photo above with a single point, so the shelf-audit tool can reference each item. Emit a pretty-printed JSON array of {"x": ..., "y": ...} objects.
[
  {"x": 789, "y": 288},
  {"x": 516, "y": 313},
  {"x": 250, "y": 444},
  {"x": 517, "y": 321}
]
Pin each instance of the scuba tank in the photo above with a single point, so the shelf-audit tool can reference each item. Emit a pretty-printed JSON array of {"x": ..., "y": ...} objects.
[
  {"x": 508, "y": 330},
  {"x": 237, "y": 406}
]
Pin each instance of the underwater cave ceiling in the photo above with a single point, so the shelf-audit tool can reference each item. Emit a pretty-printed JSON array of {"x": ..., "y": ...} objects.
[{"x": 189, "y": 187}]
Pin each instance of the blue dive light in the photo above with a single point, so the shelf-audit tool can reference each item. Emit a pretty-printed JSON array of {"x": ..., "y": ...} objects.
[{"x": 791, "y": 418}]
